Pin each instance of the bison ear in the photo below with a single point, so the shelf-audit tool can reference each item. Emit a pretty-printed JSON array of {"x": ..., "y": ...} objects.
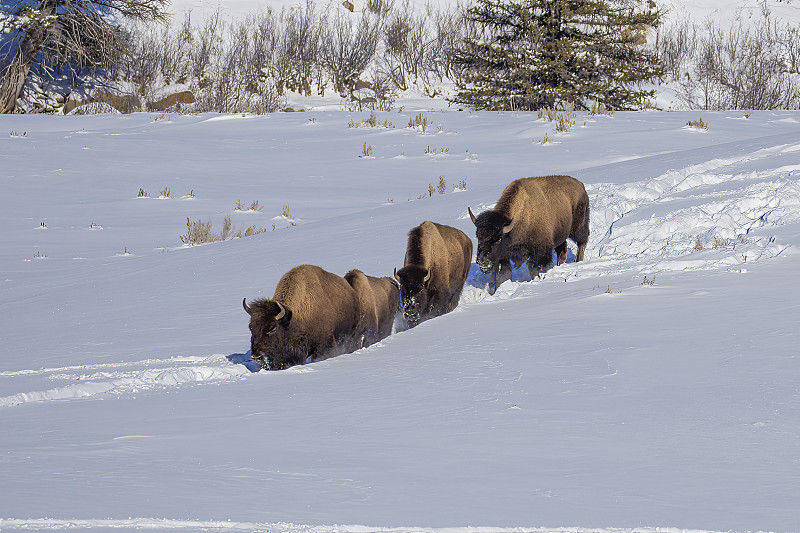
[
  {"x": 472, "y": 216},
  {"x": 507, "y": 229},
  {"x": 246, "y": 308}
]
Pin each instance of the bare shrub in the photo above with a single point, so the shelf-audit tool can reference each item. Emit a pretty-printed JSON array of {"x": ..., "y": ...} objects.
[
  {"x": 449, "y": 27},
  {"x": 442, "y": 187},
  {"x": 199, "y": 232},
  {"x": 697, "y": 124},
  {"x": 347, "y": 49},
  {"x": 235, "y": 92},
  {"x": 153, "y": 56},
  {"x": 238, "y": 79},
  {"x": 254, "y": 41},
  {"x": 676, "y": 46},
  {"x": 380, "y": 8},
  {"x": 396, "y": 33},
  {"x": 406, "y": 39},
  {"x": 220, "y": 91},
  {"x": 296, "y": 56},
  {"x": 564, "y": 122},
  {"x": 140, "y": 61},
  {"x": 249, "y": 64},
  {"x": 743, "y": 67},
  {"x": 226, "y": 66}
]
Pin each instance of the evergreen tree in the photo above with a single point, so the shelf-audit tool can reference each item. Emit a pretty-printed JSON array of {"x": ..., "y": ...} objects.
[{"x": 530, "y": 54}]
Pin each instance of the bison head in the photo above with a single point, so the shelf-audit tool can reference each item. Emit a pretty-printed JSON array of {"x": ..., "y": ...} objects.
[
  {"x": 268, "y": 336},
  {"x": 414, "y": 282},
  {"x": 492, "y": 231}
]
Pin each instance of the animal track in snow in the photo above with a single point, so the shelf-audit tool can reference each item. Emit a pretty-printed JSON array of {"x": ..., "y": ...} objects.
[
  {"x": 84, "y": 381},
  {"x": 701, "y": 217}
]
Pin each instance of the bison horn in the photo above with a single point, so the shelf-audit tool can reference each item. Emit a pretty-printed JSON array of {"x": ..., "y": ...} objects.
[
  {"x": 472, "y": 216},
  {"x": 282, "y": 312},
  {"x": 246, "y": 308},
  {"x": 397, "y": 277},
  {"x": 427, "y": 277},
  {"x": 508, "y": 228}
]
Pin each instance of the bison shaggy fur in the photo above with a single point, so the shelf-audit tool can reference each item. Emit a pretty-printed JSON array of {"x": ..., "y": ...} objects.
[
  {"x": 379, "y": 299},
  {"x": 313, "y": 314},
  {"x": 533, "y": 217},
  {"x": 436, "y": 266}
]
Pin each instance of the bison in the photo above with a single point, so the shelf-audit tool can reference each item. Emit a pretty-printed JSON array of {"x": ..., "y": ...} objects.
[
  {"x": 435, "y": 269},
  {"x": 313, "y": 314},
  {"x": 379, "y": 299},
  {"x": 533, "y": 217}
]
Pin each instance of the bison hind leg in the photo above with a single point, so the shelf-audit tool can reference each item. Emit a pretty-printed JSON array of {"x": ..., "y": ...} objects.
[
  {"x": 579, "y": 255},
  {"x": 580, "y": 233}
]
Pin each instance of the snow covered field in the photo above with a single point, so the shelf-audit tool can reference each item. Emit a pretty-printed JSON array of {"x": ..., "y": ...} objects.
[{"x": 653, "y": 386}]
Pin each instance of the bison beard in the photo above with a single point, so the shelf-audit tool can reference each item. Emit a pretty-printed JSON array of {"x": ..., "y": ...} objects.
[
  {"x": 492, "y": 234},
  {"x": 415, "y": 298},
  {"x": 267, "y": 320}
]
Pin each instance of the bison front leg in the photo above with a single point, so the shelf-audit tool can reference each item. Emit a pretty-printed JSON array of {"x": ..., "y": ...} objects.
[
  {"x": 536, "y": 265},
  {"x": 454, "y": 299},
  {"x": 329, "y": 347},
  {"x": 561, "y": 253},
  {"x": 534, "y": 270},
  {"x": 501, "y": 274}
]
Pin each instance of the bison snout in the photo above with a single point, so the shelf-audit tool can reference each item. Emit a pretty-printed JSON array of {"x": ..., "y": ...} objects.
[
  {"x": 412, "y": 319},
  {"x": 260, "y": 358},
  {"x": 411, "y": 312},
  {"x": 484, "y": 264}
]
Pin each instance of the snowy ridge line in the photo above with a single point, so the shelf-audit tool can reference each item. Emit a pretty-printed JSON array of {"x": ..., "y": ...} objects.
[
  {"x": 215, "y": 368},
  {"x": 163, "y": 524}
]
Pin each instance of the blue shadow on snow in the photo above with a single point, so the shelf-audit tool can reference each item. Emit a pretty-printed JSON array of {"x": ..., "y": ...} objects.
[
  {"x": 244, "y": 359},
  {"x": 478, "y": 279}
]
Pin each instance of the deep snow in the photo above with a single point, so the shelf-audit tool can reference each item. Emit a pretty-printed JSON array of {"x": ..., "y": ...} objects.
[{"x": 586, "y": 400}]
